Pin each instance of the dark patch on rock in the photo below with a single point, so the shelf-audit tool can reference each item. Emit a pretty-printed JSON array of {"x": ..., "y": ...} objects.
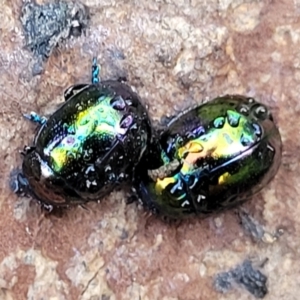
[
  {"x": 251, "y": 226},
  {"x": 246, "y": 276},
  {"x": 46, "y": 25}
]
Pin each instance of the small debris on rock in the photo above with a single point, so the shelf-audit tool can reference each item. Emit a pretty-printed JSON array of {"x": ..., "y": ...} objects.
[
  {"x": 251, "y": 226},
  {"x": 252, "y": 280},
  {"x": 256, "y": 230},
  {"x": 46, "y": 25}
]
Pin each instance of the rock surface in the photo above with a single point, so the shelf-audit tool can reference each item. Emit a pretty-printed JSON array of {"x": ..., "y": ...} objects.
[{"x": 175, "y": 53}]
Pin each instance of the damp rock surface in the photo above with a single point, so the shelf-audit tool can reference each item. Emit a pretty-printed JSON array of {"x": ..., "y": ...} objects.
[{"x": 175, "y": 54}]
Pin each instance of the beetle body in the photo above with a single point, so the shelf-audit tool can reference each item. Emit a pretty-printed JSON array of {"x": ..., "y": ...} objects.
[
  {"x": 88, "y": 146},
  {"x": 210, "y": 158}
]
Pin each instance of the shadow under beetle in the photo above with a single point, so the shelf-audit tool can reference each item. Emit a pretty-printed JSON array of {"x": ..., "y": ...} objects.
[
  {"x": 210, "y": 158},
  {"x": 91, "y": 144}
]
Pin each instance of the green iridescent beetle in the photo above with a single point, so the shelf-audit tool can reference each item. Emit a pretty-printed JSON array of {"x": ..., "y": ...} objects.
[
  {"x": 210, "y": 158},
  {"x": 91, "y": 144}
]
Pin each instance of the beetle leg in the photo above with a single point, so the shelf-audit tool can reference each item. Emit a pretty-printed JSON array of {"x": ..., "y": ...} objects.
[
  {"x": 95, "y": 71},
  {"x": 19, "y": 185},
  {"x": 72, "y": 90},
  {"x": 34, "y": 117},
  {"x": 26, "y": 150}
]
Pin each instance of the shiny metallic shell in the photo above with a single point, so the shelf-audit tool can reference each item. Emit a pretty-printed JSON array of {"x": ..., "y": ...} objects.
[
  {"x": 212, "y": 157},
  {"x": 88, "y": 146}
]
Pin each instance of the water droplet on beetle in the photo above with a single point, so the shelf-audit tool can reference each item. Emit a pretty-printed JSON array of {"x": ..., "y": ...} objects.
[
  {"x": 257, "y": 129},
  {"x": 260, "y": 112},
  {"x": 233, "y": 118},
  {"x": 244, "y": 110},
  {"x": 107, "y": 168},
  {"x": 128, "y": 102},
  {"x": 246, "y": 141},
  {"x": 126, "y": 122},
  {"x": 219, "y": 122},
  {"x": 111, "y": 177},
  {"x": 118, "y": 103}
]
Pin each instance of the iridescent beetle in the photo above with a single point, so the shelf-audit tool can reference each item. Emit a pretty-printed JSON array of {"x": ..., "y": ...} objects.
[
  {"x": 211, "y": 157},
  {"x": 88, "y": 146}
]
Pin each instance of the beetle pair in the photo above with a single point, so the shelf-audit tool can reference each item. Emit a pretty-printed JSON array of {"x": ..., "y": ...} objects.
[{"x": 213, "y": 156}]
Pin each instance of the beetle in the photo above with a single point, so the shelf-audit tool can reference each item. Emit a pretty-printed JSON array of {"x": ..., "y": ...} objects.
[
  {"x": 209, "y": 158},
  {"x": 87, "y": 147}
]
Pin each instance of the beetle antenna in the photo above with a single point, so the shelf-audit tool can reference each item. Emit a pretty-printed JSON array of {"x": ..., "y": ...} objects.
[{"x": 95, "y": 71}]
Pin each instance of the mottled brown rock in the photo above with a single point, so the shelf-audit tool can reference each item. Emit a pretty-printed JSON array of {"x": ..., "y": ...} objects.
[{"x": 175, "y": 54}]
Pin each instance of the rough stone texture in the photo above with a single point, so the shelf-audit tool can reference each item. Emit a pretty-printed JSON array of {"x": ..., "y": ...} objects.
[{"x": 175, "y": 53}]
